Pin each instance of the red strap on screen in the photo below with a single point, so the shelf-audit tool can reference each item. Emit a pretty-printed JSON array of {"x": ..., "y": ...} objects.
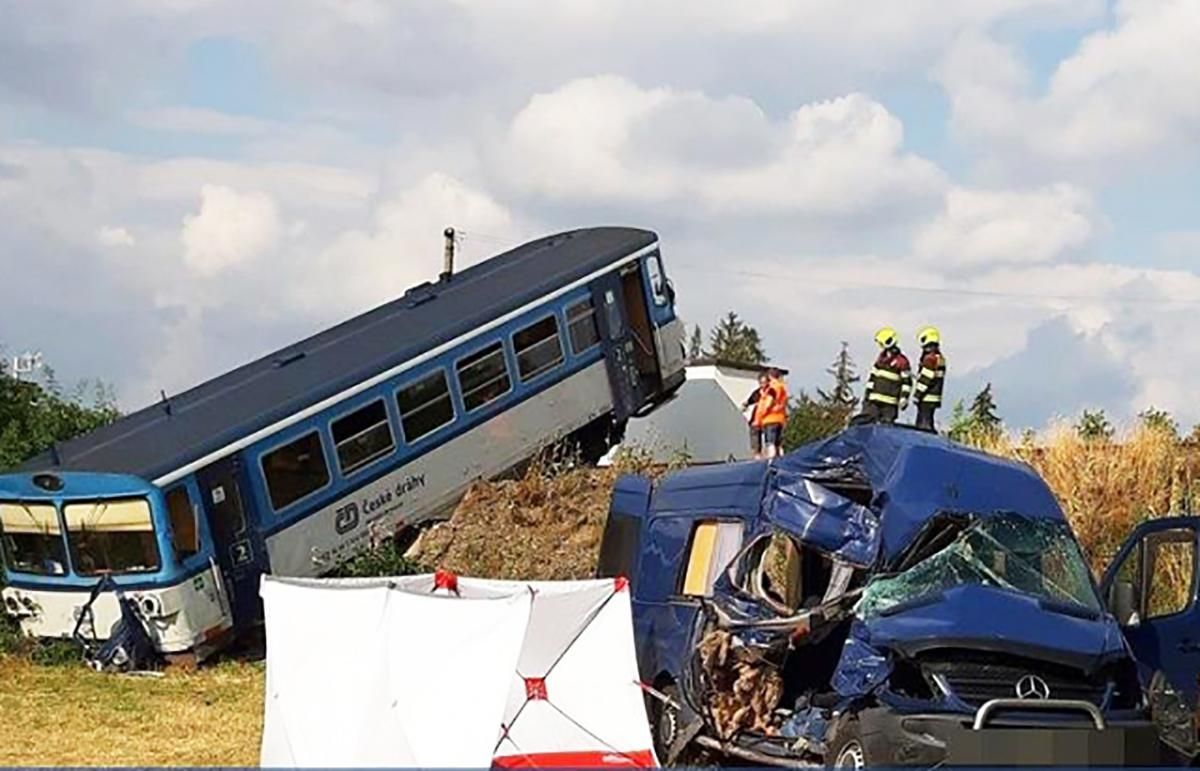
[
  {"x": 444, "y": 579},
  {"x": 535, "y": 689}
]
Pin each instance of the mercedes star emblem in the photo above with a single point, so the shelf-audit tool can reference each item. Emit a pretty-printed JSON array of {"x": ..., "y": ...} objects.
[{"x": 1032, "y": 687}]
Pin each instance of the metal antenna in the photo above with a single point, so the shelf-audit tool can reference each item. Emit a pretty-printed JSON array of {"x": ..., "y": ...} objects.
[{"x": 448, "y": 256}]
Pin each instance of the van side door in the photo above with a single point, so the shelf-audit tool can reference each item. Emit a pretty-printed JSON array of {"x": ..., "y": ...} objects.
[{"x": 1151, "y": 590}]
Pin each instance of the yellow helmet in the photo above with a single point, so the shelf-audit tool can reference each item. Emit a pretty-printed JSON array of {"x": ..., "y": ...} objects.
[
  {"x": 886, "y": 337},
  {"x": 929, "y": 335}
]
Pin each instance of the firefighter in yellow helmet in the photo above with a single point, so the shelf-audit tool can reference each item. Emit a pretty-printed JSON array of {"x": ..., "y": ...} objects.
[
  {"x": 930, "y": 377},
  {"x": 890, "y": 383}
]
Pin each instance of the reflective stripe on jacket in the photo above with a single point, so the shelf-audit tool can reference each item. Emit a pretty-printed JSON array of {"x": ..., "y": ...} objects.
[
  {"x": 891, "y": 379},
  {"x": 931, "y": 377}
]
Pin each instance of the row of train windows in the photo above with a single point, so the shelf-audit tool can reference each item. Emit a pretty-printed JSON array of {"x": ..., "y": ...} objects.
[{"x": 298, "y": 469}]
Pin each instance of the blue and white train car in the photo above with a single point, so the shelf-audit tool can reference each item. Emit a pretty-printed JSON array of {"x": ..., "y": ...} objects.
[{"x": 291, "y": 463}]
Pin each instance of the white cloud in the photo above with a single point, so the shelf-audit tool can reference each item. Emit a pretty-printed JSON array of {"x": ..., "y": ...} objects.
[
  {"x": 605, "y": 139},
  {"x": 115, "y": 236},
  {"x": 198, "y": 120},
  {"x": 404, "y": 244},
  {"x": 762, "y": 140},
  {"x": 1126, "y": 93},
  {"x": 229, "y": 229},
  {"x": 292, "y": 184},
  {"x": 984, "y": 227}
]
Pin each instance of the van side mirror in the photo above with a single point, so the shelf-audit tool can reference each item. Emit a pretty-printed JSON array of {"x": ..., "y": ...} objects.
[{"x": 1122, "y": 602}]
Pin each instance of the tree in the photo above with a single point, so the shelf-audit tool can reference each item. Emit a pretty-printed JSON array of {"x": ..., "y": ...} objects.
[
  {"x": 978, "y": 424},
  {"x": 983, "y": 409},
  {"x": 736, "y": 341},
  {"x": 34, "y": 416},
  {"x": 1157, "y": 420},
  {"x": 1093, "y": 426},
  {"x": 696, "y": 344},
  {"x": 810, "y": 419},
  {"x": 844, "y": 377}
]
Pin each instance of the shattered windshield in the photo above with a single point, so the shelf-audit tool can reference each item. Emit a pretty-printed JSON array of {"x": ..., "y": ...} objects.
[{"x": 1032, "y": 556}]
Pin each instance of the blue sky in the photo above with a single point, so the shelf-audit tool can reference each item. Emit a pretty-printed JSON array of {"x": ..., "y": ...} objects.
[{"x": 187, "y": 185}]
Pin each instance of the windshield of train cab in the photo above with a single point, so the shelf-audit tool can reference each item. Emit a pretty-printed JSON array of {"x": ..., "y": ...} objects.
[{"x": 91, "y": 537}]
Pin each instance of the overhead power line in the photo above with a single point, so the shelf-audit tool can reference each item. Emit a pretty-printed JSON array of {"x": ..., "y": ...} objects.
[{"x": 950, "y": 290}]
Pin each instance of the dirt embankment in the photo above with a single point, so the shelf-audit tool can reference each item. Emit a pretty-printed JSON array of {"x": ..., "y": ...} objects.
[{"x": 544, "y": 526}]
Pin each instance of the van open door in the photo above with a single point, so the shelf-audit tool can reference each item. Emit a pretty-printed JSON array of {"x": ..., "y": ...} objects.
[{"x": 1151, "y": 590}]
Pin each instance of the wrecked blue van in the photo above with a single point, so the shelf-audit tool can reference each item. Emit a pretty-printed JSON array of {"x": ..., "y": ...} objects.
[{"x": 884, "y": 597}]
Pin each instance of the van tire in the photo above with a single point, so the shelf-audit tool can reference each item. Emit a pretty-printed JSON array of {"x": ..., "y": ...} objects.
[
  {"x": 665, "y": 727},
  {"x": 846, "y": 748}
]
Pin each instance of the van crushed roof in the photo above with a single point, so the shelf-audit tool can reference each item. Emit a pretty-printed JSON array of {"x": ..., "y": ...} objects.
[{"x": 914, "y": 476}]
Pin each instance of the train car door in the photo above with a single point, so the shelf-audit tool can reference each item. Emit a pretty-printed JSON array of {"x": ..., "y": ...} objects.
[
  {"x": 619, "y": 346},
  {"x": 238, "y": 544}
]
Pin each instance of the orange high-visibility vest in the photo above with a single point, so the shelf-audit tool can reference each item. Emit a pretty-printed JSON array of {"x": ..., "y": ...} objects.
[{"x": 772, "y": 404}]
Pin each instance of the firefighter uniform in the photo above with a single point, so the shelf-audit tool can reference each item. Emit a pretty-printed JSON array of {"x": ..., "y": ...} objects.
[
  {"x": 890, "y": 383},
  {"x": 930, "y": 378}
]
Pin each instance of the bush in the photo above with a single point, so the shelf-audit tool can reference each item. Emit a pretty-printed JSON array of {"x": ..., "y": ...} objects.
[{"x": 383, "y": 559}]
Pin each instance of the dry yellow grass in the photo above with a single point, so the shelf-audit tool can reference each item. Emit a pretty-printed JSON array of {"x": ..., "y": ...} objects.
[
  {"x": 68, "y": 715},
  {"x": 1107, "y": 488}
]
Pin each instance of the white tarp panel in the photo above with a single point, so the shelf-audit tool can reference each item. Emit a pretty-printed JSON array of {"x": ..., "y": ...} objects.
[
  {"x": 370, "y": 676},
  {"x": 571, "y": 695}
]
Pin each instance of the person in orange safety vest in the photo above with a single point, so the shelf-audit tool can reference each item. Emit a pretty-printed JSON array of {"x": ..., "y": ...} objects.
[
  {"x": 771, "y": 412},
  {"x": 751, "y": 404}
]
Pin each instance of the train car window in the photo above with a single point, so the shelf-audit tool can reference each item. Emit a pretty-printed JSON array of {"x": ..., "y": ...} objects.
[
  {"x": 425, "y": 406},
  {"x": 612, "y": 314},
  {"x": 483, "y": 376},
  {"x": 538, "y": 348},
  {"x": 658, "y": 285},
  {"x": 295, "y": 470},
  {"x": 185, "y": 535},
  {"x": 32, "y": 538},
  {"x": 111, "y": 536},
  {"x": 581, "y": 326},
  {"x": 362, "y": 436}
]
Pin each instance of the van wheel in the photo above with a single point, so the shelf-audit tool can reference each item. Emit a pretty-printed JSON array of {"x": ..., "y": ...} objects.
[
  {"x": 666, "y": 722},
  {"x": 846, "y": 747}
]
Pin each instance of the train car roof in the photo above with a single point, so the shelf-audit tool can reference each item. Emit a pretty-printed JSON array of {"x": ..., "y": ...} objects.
[{"x": 164, "y": 437}]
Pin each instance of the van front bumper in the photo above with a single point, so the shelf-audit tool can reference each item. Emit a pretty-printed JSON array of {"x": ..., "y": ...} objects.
[{"x": 893, "y": 739}]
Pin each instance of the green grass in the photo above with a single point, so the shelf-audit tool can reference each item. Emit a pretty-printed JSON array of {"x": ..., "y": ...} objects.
[{"x": 72, "y": 716}]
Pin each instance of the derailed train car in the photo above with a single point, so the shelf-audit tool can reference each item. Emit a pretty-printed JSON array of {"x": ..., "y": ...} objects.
[
  {"x": 885, "y": 597},
  {"x": 296, "y": 462}
]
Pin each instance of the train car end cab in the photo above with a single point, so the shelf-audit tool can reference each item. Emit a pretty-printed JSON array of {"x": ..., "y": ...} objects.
[{"x": 62, "y": 533}]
